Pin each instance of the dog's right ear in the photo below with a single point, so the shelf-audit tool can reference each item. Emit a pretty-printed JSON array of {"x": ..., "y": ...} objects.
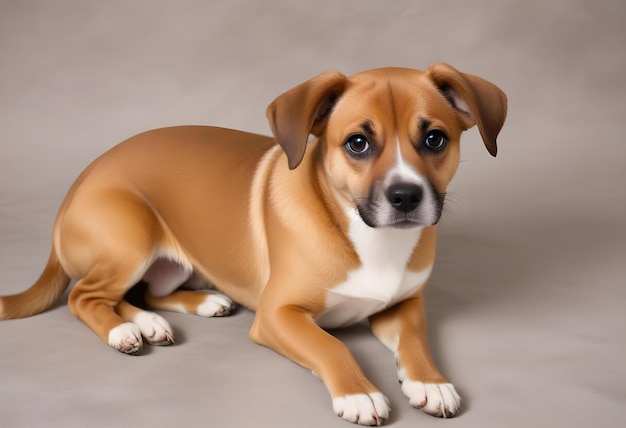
[
  {"x": 476, "y": 100},
  {"x": 304, "y": 110}
]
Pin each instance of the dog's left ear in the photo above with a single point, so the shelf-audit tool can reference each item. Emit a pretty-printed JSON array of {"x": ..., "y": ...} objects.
[
  {"x": 303, "y": 110},
  {"x": 476, "y": 100}
]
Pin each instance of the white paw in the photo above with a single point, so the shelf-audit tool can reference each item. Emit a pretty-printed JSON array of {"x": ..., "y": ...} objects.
[
  {"x": 126, "y": 338},
  {"x": 215, "y": 305},
  {"x": 154, "y": 328},
  {"x": 437, "y": 399},
  {"x": 363, "y": 409}
]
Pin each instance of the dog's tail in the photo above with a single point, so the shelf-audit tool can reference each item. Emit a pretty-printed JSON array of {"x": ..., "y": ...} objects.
[{"x": 43, "y": 293}]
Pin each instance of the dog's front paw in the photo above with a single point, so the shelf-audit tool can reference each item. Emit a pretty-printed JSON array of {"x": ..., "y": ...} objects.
[
  {"x": 126, "y": 338},
  {"x": 364, "y": 409},
  {"x": 215, "y": 305},
  {"x": 154, "y": 328},
  {"x": 437, "y": 399}
]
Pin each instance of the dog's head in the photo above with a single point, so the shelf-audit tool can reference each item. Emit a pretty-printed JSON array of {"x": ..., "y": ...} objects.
[{"x": 389, "y": 137}]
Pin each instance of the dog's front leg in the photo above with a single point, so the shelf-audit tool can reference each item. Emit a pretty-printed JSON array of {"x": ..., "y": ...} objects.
[
  {"x": 292, "y": 332},
  {"x": 402, "y": 328}
]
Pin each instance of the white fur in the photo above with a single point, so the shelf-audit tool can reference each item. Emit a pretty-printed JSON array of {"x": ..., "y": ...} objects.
[
  {"x": 215, "y": 305},
  {"x": 364, "y": 409},
  {"x": 403, "y": 170},
  {"x": 126, "y": 338},
  {"x": 154, "y": 328},
  {"x": 435, "y": 399},
  {"x": 382, "y": 279}
]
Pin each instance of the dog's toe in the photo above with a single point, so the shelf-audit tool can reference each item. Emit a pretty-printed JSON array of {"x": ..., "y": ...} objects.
[
  {"x": 364, "y": 409},
  {"x": 215, "y": 305},
  {"x": 440, "y": 400},
  {"x": 126, "y": 338},
  {"x": 154, "y": 328}
]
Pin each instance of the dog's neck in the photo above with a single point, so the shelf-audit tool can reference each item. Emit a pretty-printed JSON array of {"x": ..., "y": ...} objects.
[
  {"x": 381, "y": 280},
  {"x": 383, "y": 246}
]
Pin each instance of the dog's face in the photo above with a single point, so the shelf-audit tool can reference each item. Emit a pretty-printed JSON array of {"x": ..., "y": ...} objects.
[
  {"x": 391, "y": 146},
  {"x": 389, "y": 137}
]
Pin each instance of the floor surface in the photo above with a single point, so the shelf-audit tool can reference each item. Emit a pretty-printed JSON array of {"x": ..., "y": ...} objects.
[{"x": 527, "y": 304}]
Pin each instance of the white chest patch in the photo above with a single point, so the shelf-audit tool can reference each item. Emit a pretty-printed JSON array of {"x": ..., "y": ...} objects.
[{"x": 382, "y": 279}]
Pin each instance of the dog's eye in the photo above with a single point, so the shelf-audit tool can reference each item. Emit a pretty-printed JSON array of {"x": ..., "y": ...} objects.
[
  {"x": 357, "y": 145},
  {"x": 435, "y": 140}
]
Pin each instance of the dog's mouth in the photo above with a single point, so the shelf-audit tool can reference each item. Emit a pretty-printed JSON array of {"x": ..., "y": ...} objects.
[
  {"x": 405, "y": 224},
  {"x": 389, "y": 218}
]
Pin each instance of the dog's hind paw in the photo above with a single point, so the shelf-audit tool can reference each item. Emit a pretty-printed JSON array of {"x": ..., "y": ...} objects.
[
  {"x": 126, "y": 338},
  {"x": 154, "y": 328},
  {"x": 436, "y": 399},
  {"x": 364, "y": 409},
  {"x": 215, "y": 305}
]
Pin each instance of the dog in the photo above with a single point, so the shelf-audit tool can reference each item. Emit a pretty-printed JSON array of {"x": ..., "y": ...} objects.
[{"x": 329, "y": 223}]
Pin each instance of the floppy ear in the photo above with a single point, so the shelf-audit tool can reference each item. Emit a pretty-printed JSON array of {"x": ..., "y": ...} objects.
[
  {"x": 303, "y": 110},
  {"x": 476, "y": 100}
]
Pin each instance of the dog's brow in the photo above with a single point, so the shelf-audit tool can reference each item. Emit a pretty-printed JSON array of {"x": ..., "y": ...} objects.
[
  {"x": 368, "y": 128},
  {"x": 424, "y": 124}
]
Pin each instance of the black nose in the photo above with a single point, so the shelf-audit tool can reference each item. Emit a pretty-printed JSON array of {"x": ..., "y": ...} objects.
[{"x": 404, "y": 197}]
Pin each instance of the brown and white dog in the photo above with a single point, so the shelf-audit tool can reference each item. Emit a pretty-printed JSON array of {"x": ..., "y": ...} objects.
[{"x": 320, "y": 234}]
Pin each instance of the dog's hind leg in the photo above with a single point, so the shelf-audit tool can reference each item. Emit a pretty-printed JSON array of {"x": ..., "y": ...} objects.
[
  {"x": 154, "y": 328},
  {"x": 209, "y": 303},
  {"x": 108, "y": 239},
  {"x": 92, "y": 301},
  {"x": 175, "y": 286}
]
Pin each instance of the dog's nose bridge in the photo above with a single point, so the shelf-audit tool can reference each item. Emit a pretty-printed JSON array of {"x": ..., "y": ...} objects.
[{"x": 403, "y": 171}]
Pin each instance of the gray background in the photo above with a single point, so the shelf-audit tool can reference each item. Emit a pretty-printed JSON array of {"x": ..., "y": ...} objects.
[{"x": 527, "y": 303}]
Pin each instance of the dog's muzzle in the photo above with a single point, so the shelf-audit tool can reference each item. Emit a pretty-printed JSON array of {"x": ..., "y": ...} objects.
[{"x": 401, "y": 205}]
